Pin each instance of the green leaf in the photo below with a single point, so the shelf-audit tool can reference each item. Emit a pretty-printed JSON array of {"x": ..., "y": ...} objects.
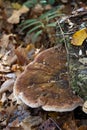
[
  {"x": 44, "y": 15},
  {"x": 52, "y": 13},
  {"x": 44, "y": 2},
  {"x": 35, "y": 1},
  {"x": 34, "y": 29},
  {"x": 28, "y": 4},
  {"x": 48, "y": 14},
  {"x": 28, "y": 21},
  {"x": 51, "y": 2},
  {"x": 51, "y": 24},
  {"x": 53, "y": 16},
  {"x": 33, "y": 23},
  {"x": 36, "y": 35}
]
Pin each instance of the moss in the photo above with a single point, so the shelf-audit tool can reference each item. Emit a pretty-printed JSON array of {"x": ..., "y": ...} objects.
[{"x": 78, "y": 75}]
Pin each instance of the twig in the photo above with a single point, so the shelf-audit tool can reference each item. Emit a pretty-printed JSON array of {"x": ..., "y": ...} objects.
[
  {"x": 55, "y": 123},
  {"x": 63, "y": 36},
  {"x": 65, "y": 48}
]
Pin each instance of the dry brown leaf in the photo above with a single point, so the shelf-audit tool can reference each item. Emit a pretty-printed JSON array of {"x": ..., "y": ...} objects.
[
  {"x": 3, "y": 117},
  {"x": 7, "y": 60},
  {"x": 12, "y": 98},
  {"x": 1, "y": 3},
  {"x": 85, "y": 107},
  {"x": 48, "y": 7},
  {"x": 70, "y": 125},
  {"x": 14, "y": 123},
  {"x": 25, "y": 55},
  {"x": 49, "y": 125},
  {"x": 4, "y": 68},
  {"x": 24, "y": 9},
  {"x": 7, "y": 85},
  {"x": 31, "y": 121},
  {"x": 11, "y": 108},
  {"x": 64, "y": 1},
  {"x": 4, "y": 98},
  {"x": 83, "y": 127},
  {"x": 5, "y": 40},
  {"x": 1, "y": 104},
  {"x": 9, "y": 57},
  {"x": 13, "y": 128},
  {"x": 38, "y": 9},
  {"x": 17, "y": 69},
  {"x": 15, "y": 18},
  {"x": 22, "y": 56}
]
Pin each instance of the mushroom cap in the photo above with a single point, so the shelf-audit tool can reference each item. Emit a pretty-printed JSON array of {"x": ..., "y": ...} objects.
[{"x": 45, "y": 83}]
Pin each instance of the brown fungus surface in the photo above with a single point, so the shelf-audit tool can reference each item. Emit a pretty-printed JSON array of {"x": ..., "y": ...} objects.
[{"x": 45, "y": 83}]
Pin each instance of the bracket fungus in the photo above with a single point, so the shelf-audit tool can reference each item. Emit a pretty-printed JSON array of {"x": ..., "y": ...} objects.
[{"x": 45, "y": 83}]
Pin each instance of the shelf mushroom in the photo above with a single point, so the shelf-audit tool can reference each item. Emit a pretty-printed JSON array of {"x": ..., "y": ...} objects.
[{"x": 45, "y": 83}]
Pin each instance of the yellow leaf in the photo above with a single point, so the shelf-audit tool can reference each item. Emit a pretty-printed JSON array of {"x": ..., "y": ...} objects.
[
  {"x": 16, "y": 6},
  {"x": 79, "y": 36},
  {"x": 30, "y": 47}
]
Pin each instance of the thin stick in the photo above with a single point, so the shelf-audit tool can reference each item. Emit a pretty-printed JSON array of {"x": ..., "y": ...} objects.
[
  {"x": 65, "y": 48},
  {"x": 55, "y": 123},
  {"x": 63, "y": 36}
]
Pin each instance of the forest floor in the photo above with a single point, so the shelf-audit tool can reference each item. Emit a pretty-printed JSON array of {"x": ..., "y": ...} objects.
[{"x": 20, "y": 47}]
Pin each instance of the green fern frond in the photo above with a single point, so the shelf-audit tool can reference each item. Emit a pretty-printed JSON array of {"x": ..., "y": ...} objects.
[
  {"x": 51, "y": 2},
  {"x": 31, "y": 24},
  {"x": 36, "y": 35},
  {"x": 51, "y": 24},
  {"x": 43, "y": 2},
  {"x": 28, "y": 22},
  {"x": 30, "y": 3},
  {"x": 34, "y": 29},
  {"x": 53, "y": 16}
]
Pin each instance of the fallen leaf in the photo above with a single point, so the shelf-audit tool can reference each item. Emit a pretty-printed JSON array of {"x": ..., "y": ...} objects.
[
  {"x": 64, "y": 1},
  {"x": 3, "y": 116},
  {"x": 9, "y": 57},
  {"x": 4, "y": 98},
  {"x": 8, "y": 84},
  {"x": 70, "y": 125},
  {"x": 83, "y": 60},
  {"x": 12, "y": 98},
  {"x": 22, "y": 56},
  {"x": 49, "y": 125},
  {"x": 1, "y": 3},
  {"x": 16, "y": 6},
  {"x": 13, "y": 128},
  {"x": 83, "y": 127},
  {"x": 85, "y": 107},
  {"x": 5, "y": 40},
  {"x": 15, "y": 18},
  {"x": 10, "y": 75},
  {"x": 17, "y": 69},
  {"x": 30, "y": 122},
  {"x": 79, "y": 36},
  {"x": 4, "y": 69},
  {"x": 14, "y": 123},
  {"x": 38, "y": 9}
]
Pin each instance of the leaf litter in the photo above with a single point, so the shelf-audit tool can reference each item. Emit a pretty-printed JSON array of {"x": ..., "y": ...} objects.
[{"x": 14, "y": 57}]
